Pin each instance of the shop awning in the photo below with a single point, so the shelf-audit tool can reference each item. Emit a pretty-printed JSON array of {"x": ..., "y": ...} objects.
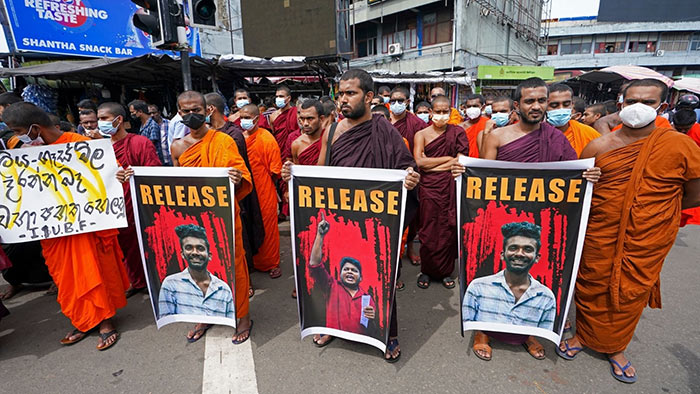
[
  {"x": 616, "y": 73},
  {"x": 457, "y": 77}
]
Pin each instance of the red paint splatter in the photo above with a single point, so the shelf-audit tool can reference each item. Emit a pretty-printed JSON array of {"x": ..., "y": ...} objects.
[
  {"x": 482, "y": 243},
  {"x": 367, "y": 242},
  {"x": 163, "y": 245}
]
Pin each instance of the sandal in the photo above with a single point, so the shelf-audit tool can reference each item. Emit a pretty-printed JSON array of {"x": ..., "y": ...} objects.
[
  {"x": 448, "y": 282},
  {"x": 275, "y": 273},
  {"x": 415, "y": 260},
  {"x": 81, "y": 335},
  {"x": 400, "y": 285},
  {"x": 322, "y": 344},
  {"x": 201, "y": 331},
  {"x": 565, "y": 353},
  {"x": 106, "y": 335},
  {"x": 236, "y": 341},
  {"x": 393, "y": 344},
  {"x": 481, "y": 343},
  {"x": 423, "y": 281},
  {"x": 622, "y": 378},
  {"x": 533, "y": 347}
]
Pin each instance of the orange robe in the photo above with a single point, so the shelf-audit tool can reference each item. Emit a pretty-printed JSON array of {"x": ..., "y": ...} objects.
[
  {"x": 633, "y": 224},
  {"x": 87, "y": 269},
  {"x": 455, "y": 117},
  {"x": 692, "y": 215},
  {"x": 264, "y": 157},
  {"x": 472, "y": 132},
  {"x": 579, "y": 135},
  {"x": 659, "y": 122},
  {"x": 217, "y": 149}
]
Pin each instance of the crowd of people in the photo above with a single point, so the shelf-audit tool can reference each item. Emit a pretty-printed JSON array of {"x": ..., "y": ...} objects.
[{"x": 647, "y": 171}]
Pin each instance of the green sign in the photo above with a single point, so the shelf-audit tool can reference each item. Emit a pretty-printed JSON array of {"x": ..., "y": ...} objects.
[{"x": 515, "y": 72}]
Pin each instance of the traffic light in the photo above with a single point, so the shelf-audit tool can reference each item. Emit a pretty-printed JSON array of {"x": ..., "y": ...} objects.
[
  {"x": 202, "y": 13},
  {"x": 159, "y": 19}
]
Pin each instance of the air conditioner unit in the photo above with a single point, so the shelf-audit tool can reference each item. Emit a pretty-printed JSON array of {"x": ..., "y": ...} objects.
[
  {"x": 395, "y": 49},
  {"x": 660, "y": 52}
]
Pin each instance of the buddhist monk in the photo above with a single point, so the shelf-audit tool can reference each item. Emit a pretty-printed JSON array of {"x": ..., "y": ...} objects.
[
  {"x": 283, "y": 121},
  {"x": 455, "y": 117},
  {"x": 130, "y": 150},
  {"x": 579, "y": 106},
  {"x": 265, "y": 164},
  {"x": 531, "y": 140},
  {"x": 423, "y": 111},
  {"x": 384, "y": 95},
  {"x": 367, "y": 141},
  {"x": 684, "y": 121},
  {"x": 475, "y": 122},
  {"x": 502, "y": 114},
  {"x": 241, "y": 98},
  {"x": 650, "y": 173},
  {"x": 408, "y": 125},
  {"x": 205, "y": 147},
  {"x": 592, "y": 113},
  {"x": 560, "y": 107},
  {"x": 436, "y": 149},
  {"x": 87, "y": 268},
  {"x": 251, "y": 218}
]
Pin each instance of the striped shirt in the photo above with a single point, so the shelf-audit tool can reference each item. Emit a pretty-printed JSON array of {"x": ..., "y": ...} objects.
[
  {"x": 489, "y": 299},
  {"x": 164, "y": 147},
  {"x": 180, "y": 294}
]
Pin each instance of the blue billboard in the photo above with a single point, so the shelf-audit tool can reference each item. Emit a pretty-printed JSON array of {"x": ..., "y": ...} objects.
[{"x": 94, "y": 28}]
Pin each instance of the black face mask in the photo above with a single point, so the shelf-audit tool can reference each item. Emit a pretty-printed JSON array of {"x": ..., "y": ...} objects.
[{"x": 193, "y": 120}]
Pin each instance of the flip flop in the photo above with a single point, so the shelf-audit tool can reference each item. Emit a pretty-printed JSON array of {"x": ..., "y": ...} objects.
[
  {"x": 201, "y": 331},
  {"x": 423, "y": 281},
  {"x": 393, "y": 344},
  {"x": 448, "y": 282},
  {"x": 68, "y": 342},
  {"x": 622, "y": 378},
  {"x": 236, "y": 341},
  {"x": 275, "y": 273},
  {"x": 564, "y": 353},
  {"x": 532, "y": 350},
  {"x": 317, "y": 344},
  {"x": 104, "y": 337}
]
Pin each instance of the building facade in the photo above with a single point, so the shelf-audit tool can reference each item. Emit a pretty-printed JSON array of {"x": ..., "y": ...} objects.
[{"x": 417, "y": 36}]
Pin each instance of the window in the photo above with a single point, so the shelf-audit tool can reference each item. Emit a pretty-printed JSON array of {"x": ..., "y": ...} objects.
[
  {"x": 674, "y": 42},
  {"x": 576, "y": 45},
  {"x": 610, "y": 43},
  {"x": 366, "y": 42},
  {"x": 695, "y": 42},
  {"x": 552, "y": 49},
  {"x": 642, "y": 42},
  {"x": 437, "y": 28}
]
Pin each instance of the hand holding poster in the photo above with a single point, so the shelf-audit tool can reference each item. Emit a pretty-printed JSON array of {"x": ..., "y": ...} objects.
[
  {"x": 521, "y": 231},
  {"x": 185, "y": 223},
  {"x": 57, "y": 190},
  {"x": 346, "y": 235}
]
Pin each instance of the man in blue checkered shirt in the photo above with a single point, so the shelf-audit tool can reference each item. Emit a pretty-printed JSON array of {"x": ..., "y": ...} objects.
[
  {"x": 149, "y": 128},
  {"x": 164, "y": 124},
  {"x": 195, "y": 291},
  {"x": 513, "y": 296}
]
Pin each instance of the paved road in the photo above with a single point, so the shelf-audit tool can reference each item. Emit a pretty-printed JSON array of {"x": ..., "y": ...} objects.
[{"x": 665, "y": 349}]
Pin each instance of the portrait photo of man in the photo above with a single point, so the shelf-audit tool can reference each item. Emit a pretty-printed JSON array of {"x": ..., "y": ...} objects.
[
  {"x": 349, "y": 307},
  {"x": 513, "y": 296},
  {"x": 195, "y": 291}
]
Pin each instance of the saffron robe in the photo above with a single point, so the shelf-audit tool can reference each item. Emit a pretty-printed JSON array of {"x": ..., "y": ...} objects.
[
  {"x": 633, "y": 224},
  {"x": 217, "y": 149},
  {"x": 409, "y": 126},
  {"x": 87, "y": 269},
  {"x": 692, "y": 215},
  {"x": 473, "y": 132},
  {"x": 544, "y": 144},
  {"x": 659, "y": 122},
  {"x": 455, "y": 117},
  {"x": 133, "y": 150},
  {"x": 579, "y": 135},
  {"x": 265, "y": 163},
  {"x": 438, "y": 216}
]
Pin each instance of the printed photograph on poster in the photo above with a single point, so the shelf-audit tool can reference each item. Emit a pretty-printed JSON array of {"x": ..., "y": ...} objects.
[
  {"x": 346, "y": 227},
  {"x": 185, "y": 223},
  {"x": 51, "y": 191},
  {"x": 521, "y": 231}
]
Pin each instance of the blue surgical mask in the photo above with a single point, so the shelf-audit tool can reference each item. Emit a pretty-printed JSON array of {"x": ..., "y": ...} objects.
[
  {"x": 488, "y": 110},
  {"x": 559, "y": 117},
  {"x": 424, "y": 117},
  {"x": 280, "y": 102},
  {"x": 500, "y": 119},
  {"x": 242, "y": 103},
  {"x": 106, "y": 127},
  {"x": 207, "y": 119},
  {"x": 398, "y": 108},
  {"x": 247, "y": 124},
  {"x": 385, "y": 99}
]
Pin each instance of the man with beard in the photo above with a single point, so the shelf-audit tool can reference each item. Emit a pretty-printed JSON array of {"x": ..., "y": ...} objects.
[
  {"x": 307, "y": 146},
  {"x": 194, "y": 291},
  {"x": 344, "y": 297},
  {"x": 513, "y": 296},
  {"x": 366, "y": 141}
]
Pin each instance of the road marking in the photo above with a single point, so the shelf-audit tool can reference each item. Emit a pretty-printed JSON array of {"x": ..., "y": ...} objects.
[{"x": 228, "y": 368}]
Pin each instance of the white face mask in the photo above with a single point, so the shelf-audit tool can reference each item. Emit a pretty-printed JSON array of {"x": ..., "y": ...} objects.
[
  {"x": 473, "y": 112},
  {"x": 638, "y": 115}
]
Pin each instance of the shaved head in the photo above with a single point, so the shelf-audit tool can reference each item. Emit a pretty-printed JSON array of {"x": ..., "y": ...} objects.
[
  {"x": 251, "y": 109},
  {"x": 191, "y": 95}
]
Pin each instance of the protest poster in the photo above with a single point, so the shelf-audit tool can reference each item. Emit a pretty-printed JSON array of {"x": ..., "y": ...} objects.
[
  {"x": 520, "y": 234},
  {"x": 185, "y": 224},
  {"x": 346, "y": 226},
  {"x": 52, "y": 191}
]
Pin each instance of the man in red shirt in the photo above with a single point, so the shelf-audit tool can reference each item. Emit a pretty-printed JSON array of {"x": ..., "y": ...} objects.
[{"x": 344, "y": 309}]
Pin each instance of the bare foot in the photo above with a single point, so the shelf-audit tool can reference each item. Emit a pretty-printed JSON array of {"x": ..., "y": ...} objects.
[
  {"x": 11, "y": 292},
  {"x": 321, "y": 340},
  {"x": 622, "y": 360}
]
